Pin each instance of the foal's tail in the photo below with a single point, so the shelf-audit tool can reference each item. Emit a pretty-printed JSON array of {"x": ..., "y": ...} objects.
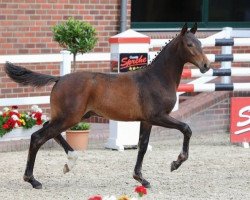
[{"x": 27, "y": 77}]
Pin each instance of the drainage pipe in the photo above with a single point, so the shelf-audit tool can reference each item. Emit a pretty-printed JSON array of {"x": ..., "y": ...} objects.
[{"x": 123, "y": 16}]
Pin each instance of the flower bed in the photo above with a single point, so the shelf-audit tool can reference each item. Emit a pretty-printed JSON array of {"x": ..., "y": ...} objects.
[
  {"x": 15, "y": 125},
  {"x": 140, "y": 190},
  {"x": 20, "y": 133}
]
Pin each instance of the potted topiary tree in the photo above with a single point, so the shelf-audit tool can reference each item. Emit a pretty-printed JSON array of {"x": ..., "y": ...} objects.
[
  {"x": 77, "y": 136},
  {"x": 75, "y": 36}
]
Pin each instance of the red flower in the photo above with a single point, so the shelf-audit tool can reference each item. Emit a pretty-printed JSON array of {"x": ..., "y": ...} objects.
[
  {"x": 11, "y": 122},
  {"x": 38, "y": 115},
  {"x": 141, "y": 190},
  {"x": 39, "y": 122},
  {"x": 14, "y": 107},
  {"x": 19, "y": 123},
  {"x": 6, "y": 126},
  {"x": 14, "y": 113},
  {"x": 97, "y": 197}
]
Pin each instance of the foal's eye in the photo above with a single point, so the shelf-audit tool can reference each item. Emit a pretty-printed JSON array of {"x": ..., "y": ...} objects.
[{"x": 190, "y": 44}]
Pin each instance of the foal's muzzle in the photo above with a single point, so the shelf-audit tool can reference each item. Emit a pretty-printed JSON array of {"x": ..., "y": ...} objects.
[{"x": 205, "y": 66}]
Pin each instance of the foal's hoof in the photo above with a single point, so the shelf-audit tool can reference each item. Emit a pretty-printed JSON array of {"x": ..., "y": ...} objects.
[
  {"x": 35, "y": 184},
  {"x": 174, "y": 166},
  {"x": 66, "y": 168},
  {"x": 144, "y": 182}
]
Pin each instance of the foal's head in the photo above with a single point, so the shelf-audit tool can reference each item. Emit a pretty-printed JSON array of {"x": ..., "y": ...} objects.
[{"x": 191, "y": 50}]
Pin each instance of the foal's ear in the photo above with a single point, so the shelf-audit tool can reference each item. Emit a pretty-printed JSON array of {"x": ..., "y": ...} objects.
[
  {"x": 184, "y": 29},
  {"x": 194, "y": 29}
]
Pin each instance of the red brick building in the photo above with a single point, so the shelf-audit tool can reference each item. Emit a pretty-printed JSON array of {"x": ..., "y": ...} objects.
[{"x": 25, "y": 28}]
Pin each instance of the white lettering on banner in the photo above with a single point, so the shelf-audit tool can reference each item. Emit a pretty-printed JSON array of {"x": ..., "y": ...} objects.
[{"x": 243, "y": 123}]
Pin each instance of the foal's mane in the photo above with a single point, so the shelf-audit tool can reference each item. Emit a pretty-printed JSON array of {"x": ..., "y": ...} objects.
[
  {"x": 161, "y": 50},
  {"x": 157, "y": 56}
]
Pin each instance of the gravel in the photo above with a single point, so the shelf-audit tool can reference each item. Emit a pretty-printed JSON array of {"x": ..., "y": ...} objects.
[{"x": 215, "y": 170}]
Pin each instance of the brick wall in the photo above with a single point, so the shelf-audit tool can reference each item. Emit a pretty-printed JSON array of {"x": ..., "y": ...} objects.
[
  {"x": 208, "y": 112},
  {"x": 25, "y": 28},
  {"x": 26, "y": 24}
]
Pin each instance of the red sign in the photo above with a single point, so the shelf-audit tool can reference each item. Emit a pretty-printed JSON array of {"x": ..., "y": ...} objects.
[{"x": 240, "y": 119}]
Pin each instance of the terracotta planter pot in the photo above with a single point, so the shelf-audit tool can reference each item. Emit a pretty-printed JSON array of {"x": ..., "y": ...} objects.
[{"x": 78, "y": 140}]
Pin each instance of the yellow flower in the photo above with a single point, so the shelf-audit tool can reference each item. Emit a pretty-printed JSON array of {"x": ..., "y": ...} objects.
[
  {"x": 22, "y": 121},
  {"x": 124, "y": 197}
]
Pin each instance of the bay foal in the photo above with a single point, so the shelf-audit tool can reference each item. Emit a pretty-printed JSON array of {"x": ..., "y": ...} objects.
[{"x": 148, "y": 96}]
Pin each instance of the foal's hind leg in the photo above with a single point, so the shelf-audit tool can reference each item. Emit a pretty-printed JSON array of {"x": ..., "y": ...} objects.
[
  {"x": 50, "y": 130},
  {"x": 169, "y": 122},
  {"x": 35, "y": 143},
  {"x": 72, "y": 155},
  {"x": 145, "y": 129}
]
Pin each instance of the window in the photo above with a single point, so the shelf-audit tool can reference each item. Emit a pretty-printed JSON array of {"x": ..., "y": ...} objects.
[{"x": 173, "y": 13}]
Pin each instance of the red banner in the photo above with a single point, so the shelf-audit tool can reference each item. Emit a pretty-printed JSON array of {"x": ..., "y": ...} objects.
[{"x": 240, "y": 119}]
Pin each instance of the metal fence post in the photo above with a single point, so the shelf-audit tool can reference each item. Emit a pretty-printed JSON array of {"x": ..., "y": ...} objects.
[
  {"x": 65, "y": 65},
  {"x": 226, "y": 50}
]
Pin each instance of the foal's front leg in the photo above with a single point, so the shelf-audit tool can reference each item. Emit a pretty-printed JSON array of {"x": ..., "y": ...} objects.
[
  {"x": 145, "y": 130},
  {"x": 169, "y": 122}
]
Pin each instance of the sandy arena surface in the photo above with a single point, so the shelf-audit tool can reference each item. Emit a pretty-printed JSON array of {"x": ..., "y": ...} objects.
[{"x": 215, "y": 170}]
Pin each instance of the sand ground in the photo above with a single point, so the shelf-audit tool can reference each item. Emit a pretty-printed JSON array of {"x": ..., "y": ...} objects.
[{"x": 215, "y": 170}]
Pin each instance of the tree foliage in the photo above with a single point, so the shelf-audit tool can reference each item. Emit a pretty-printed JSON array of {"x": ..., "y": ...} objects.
[{"x": 75, "y": 36}]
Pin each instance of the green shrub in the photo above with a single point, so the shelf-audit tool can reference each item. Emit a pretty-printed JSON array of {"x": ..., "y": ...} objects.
[
  {"x": 75, "y": 36},
  {"x": 81, "y": 126}
]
